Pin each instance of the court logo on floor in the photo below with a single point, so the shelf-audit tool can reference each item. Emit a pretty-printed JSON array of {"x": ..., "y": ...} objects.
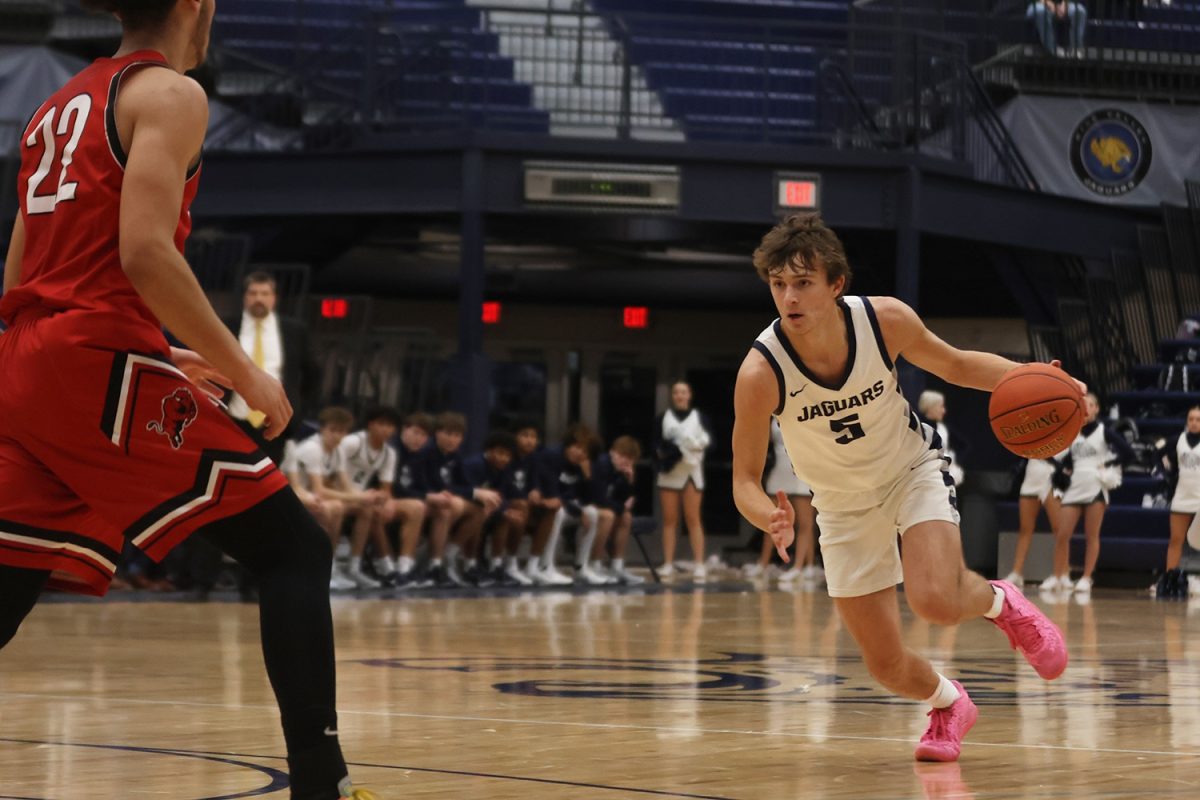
[{"x": 1110, "y": 152}]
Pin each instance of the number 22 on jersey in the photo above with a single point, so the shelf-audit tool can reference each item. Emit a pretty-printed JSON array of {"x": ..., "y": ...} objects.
[{"x": 72, "y": 121}]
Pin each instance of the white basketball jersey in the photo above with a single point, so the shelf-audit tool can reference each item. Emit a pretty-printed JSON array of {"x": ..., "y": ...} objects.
[
  {"x": 850, "y": 438},
  {"x": 1189, "y": 468}
]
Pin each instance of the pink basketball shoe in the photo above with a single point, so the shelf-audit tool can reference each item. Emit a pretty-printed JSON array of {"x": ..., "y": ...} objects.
[
  {"x": 1031, "y": 632},
  {"x": 947, "y": 727}
]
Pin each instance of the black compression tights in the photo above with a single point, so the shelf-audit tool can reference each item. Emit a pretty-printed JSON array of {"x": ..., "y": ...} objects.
[{"x": 280, "y": 543}]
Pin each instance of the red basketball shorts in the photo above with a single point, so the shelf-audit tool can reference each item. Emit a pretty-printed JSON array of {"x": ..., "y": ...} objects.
[{"x": 100, "y": 445}]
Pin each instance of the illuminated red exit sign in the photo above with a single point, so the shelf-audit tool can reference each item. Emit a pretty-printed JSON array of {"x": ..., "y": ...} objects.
[
  {"x": 797, "y": 192},
  {"x": 335, "y": 308},
  {"x": 491, "y": 313},
  {"x": 636, "y": 317}
]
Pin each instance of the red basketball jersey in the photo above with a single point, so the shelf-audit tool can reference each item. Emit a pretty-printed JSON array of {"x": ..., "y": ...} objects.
[{"x": 69, "y": 184}]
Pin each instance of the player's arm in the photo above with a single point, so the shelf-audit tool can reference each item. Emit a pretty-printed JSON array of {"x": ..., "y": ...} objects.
[
  {"x": 166, "y": 116},
  {"x": 16, "y": 253},
  {"x": 906, "y": 335},
  {"x": 755, "y": 396}
]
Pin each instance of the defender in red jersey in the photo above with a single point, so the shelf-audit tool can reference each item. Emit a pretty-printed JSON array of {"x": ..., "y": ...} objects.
[{"x": 106, "y": 432}]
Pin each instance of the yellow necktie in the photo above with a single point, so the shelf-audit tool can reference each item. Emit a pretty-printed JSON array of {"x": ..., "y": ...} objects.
[{"x": 259, "y": 357}]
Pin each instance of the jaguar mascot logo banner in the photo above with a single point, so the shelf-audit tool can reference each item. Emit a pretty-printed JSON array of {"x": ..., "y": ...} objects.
[{"x": 1110, "y": 152}]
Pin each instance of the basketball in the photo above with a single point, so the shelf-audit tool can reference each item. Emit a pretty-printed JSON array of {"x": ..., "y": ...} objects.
[{"x": 1036, "y": 411}]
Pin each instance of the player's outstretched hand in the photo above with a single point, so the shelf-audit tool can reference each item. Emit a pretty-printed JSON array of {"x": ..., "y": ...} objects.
[
  {"x": 264, "y": 393},
  {"x": 1082, "y": 386},
  {"x": 782, "y": 525},
  {"x": 204, "y": 375}
]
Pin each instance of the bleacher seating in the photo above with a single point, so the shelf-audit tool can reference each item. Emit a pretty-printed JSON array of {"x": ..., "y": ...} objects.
[{"x": 425, "y": 59}]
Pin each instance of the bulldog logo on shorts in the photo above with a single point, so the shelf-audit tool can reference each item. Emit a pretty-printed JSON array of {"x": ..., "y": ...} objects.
[{"x": 178, "y": 411}]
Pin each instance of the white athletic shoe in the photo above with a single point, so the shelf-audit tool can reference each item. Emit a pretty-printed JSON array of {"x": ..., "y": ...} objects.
[
  {"x": 361, "y": 579},
  {"x": 1016, "y": 579},
  {"x": 340, "y": 581},
  {"x": 789, "y": 576},
  {"x": 552, "y": 577},
  {"x": 514, "y": 573},
  {"x": 589, "y": 576},
  {"x": 666, "y": 571},
  {"x": 1084, "y": 585},
  {"x": 752, "y": 571},
  {"x": 627, "y": 578},
  {"x": 814, "y": 573},
  {"x": 1051, "y": 584},
  {"x": 700, "y": 574}
]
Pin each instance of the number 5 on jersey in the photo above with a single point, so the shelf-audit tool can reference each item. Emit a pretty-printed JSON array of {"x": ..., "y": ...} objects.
[
  {"x": 850, "y": 425},
  {"x": 74, "y": 118}
]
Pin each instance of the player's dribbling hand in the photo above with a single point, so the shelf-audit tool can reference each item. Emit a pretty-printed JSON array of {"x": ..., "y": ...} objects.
[
  {"x": 781, "y": 525},
  {"x": 265, "y": 394},
  {"x": 202, "y": 374},
  {"x": 1082, "y": 386}
]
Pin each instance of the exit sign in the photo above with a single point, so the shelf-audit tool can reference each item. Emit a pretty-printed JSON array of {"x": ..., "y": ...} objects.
[{"x": 797, "y": 192}]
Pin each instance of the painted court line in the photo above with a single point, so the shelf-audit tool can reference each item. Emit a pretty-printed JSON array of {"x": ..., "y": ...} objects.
[{"x": 604, "y": 726}]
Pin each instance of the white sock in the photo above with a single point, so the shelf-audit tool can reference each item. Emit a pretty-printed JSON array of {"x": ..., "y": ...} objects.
[
  {"x": 945, "y": 695},
  {"x": 470, "y": 564},
  {"x": 497, "y": 562},
  {"x": 405, "y": 564},
  {"x": 997, "y": 603},
  {"x": 618, "y": 564},
  {"x": 435, "y": 562},
  {"x": 512, "y": 563},
  {"x": 356, "y": 563}
]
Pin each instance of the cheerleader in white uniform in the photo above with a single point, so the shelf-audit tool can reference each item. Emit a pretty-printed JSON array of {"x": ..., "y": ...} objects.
[
  {"x": 1184, "y": 458},
  {"x": 782, "y": 478},
  {"x": 1086, "y": 472},
  {"x": 684, "y": 438},
  {"x": 1037, "y": 492}
]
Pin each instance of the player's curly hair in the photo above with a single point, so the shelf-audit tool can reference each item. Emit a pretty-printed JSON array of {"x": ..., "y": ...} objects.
[
  {"x": 797, "y": 244},
  {"x": 135, "y": 15}
]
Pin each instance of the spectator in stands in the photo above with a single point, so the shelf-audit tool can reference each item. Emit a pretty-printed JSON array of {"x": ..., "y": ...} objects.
[
  {"x": 522, "y": 485},
  {"x": 613, "y": 482},
  {"x": 572, "y": 467},
  {"x": 780, "y": 477},
  {"x": 1084, "y": 474},
  {"x": 1043, "y": 13},
  {"x": 932, "y": 407},
  {"x": 371, "y": 466},
  {"x": 1036, "y": 492},
  {"x": 449, "y": 497},
  {"x": 278, "y": 345},
  {"x": 544, "y": 503},
  {"x": 328, "y": 513},
  {"x": 492, "y": 471},
  {"x": 1183, "y": 456},
  {"x": 321, "y": 467},
  {"x": 410, "y": 492},
  {"x": 680, "y": 455}
]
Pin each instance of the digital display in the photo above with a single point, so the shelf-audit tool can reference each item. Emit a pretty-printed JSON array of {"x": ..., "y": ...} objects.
[{"x": 601, "y": 188}]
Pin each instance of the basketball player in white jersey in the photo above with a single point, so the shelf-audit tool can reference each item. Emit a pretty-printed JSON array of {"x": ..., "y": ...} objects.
[
  {"x": 1184, "y": 458},
  {"x": 826, "y": 370}
]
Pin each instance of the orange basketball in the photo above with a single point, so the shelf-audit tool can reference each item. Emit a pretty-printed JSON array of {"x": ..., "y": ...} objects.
[{"x": 1036, "y": 411}]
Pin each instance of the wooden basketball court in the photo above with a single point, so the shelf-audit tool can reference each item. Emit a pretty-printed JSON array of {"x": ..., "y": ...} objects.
[{"x": 718, "y": 694}]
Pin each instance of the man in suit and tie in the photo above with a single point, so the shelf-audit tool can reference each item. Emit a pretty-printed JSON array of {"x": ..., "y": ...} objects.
[{"x": 277, "y": 344}]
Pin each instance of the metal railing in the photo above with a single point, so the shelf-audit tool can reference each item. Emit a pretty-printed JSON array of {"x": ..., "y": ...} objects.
[{"x": 846, "y": 85}]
